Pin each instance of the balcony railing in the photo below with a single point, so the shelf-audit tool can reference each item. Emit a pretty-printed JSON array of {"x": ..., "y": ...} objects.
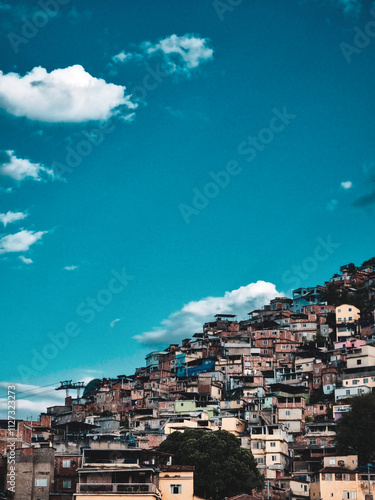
[{"x": 125, "y": 488}]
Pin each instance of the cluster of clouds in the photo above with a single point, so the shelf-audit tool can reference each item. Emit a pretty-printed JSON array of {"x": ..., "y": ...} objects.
[
  {"x": 180, "y": 324},
  {"x": 178, "y": 54},
  {"x": 72, "y": 95},
  {"x": 20, "y": 169}
]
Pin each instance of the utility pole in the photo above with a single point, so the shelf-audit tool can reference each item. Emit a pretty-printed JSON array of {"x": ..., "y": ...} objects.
[
  {"x": 369, "y": 496},
  {"x": 368, "y": 480}
]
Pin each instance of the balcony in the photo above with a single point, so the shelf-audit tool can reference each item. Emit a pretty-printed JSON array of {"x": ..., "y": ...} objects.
[{"x": 120, "y": 488}]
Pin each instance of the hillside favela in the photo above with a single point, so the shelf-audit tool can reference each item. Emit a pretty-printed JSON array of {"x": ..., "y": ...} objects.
[{"x": 279, "y": 405}]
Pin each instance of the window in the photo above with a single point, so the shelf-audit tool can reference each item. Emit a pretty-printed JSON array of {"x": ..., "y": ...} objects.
[
  {"x": 274, "y": 458},
  {"x": 272, "y": 444},
  {"x": 332, "y": 461},
  {"x": 259, "y": 460},
  {"x": 312, "y": 442},
  {"x": 265, "y": 342},
  {"x": 287, "y": 412},
  {"x": 359, "y": 361},
  {"x": 67, "y": 464},
  {"x": 350, "y": 309},
  {"x": 67, "y": 484},
  {"x": 347, "y": 392},
  {"x": 327, "y": 477},
  {"x": 39, "y": 481},
  {"x": 355, "y": 382},
  {"x": 349, "y": 494},
  {"x": 176, "y": 489}
]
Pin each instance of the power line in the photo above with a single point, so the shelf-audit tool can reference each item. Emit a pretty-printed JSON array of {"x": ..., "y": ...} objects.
[
  {"x": 30, "y": 390},
  {"x": 43, "y": 393}
]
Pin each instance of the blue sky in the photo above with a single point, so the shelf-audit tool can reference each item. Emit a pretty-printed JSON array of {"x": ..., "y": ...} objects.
[{"x": 164, "y": 161}]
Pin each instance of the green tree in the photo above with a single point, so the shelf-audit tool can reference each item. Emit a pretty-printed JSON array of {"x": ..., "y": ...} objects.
[
  {"x": 356, "y": 430},
  {"x": 222, "y": 467}
]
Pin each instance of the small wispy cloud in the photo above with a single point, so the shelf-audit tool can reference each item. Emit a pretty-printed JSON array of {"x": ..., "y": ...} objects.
[
  {"x": 70, "y": 268},
  {"x": 346, "y": 184},
  {"x": 10, "y": 217},
  {"x": 76, "y": 16},
  {"x": 25, "y": 260},
  {"x": 350, "y": 7},
  {"x": 20, "y": 169},
  {"x": 19, "y": 242},
  {"x": 331, "y": 205},
  {"x": 126, "y": 56},
  {"x": 112, "y": 323},
  {"x": 178, "y": 54}
]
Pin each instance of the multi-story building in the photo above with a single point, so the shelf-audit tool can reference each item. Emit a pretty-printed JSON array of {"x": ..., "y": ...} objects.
[
  {"x": 339, "y": 480},
  {"x": 132, "y": 475}
]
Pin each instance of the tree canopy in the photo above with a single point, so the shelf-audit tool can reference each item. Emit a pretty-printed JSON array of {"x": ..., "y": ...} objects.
[
  {"x": 356, "y": 430},
  {"x": 222, "y": 467}
]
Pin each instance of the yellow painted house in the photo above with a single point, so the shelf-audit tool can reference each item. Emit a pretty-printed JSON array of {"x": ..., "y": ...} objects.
[
  {"x": 338, "y": 480},
  {"x": 347, "y": 316}
]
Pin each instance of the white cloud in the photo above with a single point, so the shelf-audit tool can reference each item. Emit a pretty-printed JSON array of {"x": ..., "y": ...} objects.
[
  {"x": 189, "y": 320},
  {"x": 112, "y": 323},
  {"x": 346, "y": 184},
  {"x": 69, "y": 95},
  {"x": 19, "y": 242},
  {"x": 179, "y": 54},
  {"x": 10, "y": 217},
  {"x": 19, "y": 169},
  {"x": 70, "y": 268},
  {"x": 25, "y": 260}
]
